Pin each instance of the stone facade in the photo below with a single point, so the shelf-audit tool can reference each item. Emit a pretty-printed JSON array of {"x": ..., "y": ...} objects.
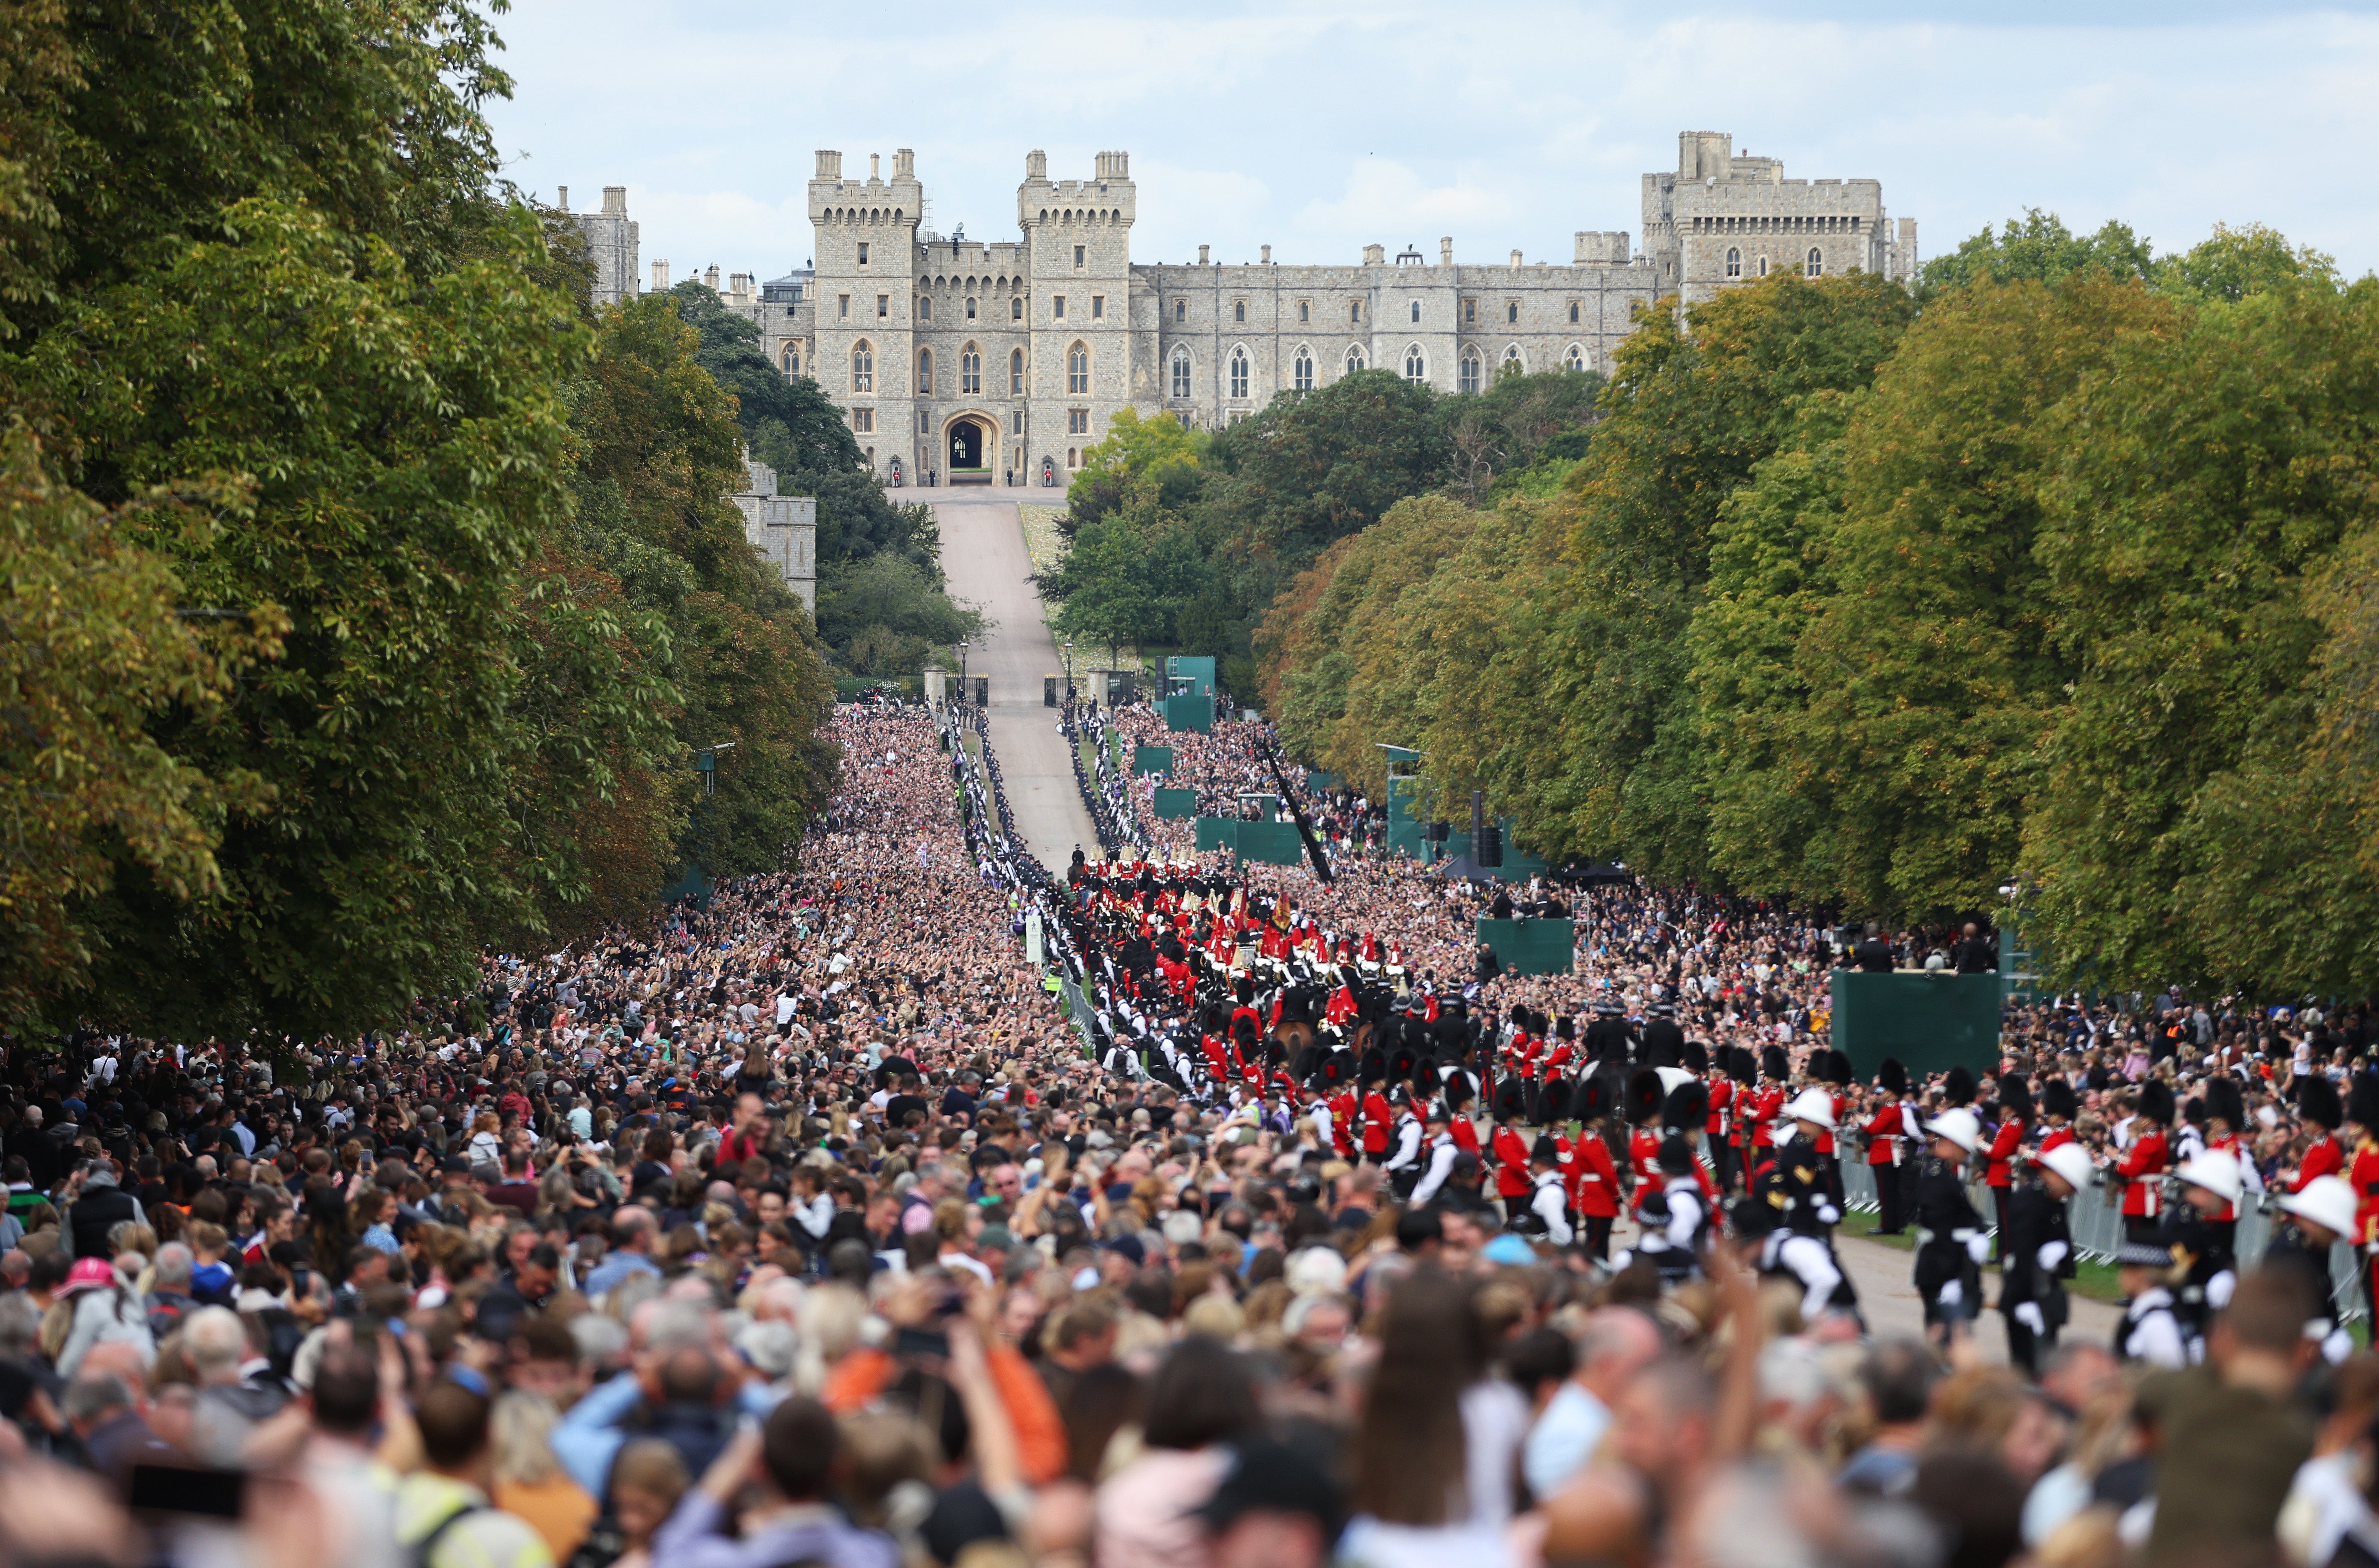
[
  {"x": 611, "y": 240},
  {"x": 1721, "y": 220},
  {"x": 782, "y": 528},
  {"x": 1002, "y": 362}
]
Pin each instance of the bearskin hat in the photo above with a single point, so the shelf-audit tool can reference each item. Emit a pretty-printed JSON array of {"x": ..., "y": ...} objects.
[
  {"x": 2363, "y": 1102},
  {"x": 1565, "y": 1026},
  {"x": 1740, "y": 1064},
  {"x": 1694, "y": 1058},
  {"x": 1890, "y": 1077},
  {"x": 2156, "y": 1102},
  {"x": 1688, "y": 1107},
  {"x": 2192, "y": 1111},
  {"x": 1592, "y": 1098},
  {"x": 1958, "y": 1087},
  {"x": 1676, "y": 1156},
  {"x": 2317, "y": 1102},
  {"x": 2057, "y": 1099},
  {"x": 1457, "y": 1092},
  {"x": 1644, "y": 1096},
  {"x": 2224, "y": 1103},
  {"x": 1775, "y": 1064},
  {"x": 2016, "y": 1096}
]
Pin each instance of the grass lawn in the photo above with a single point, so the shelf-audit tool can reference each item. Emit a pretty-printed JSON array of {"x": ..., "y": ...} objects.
[{"x": 2096, "y": 1281}]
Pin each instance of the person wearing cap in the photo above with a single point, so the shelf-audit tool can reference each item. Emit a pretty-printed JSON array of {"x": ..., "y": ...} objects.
[
  {"x": 1547, "y": 1212},
  {"x": 2036, "y": 1251},
  {"x": 2201, "y": 1244},
  {"x": 2151, "y": 1331},
  {"x": 1953, "y": 1241},
  {"x": 1675, "y": 1219}
]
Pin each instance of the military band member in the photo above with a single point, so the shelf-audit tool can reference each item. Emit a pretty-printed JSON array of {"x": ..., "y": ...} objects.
[
  {"x": 1952, "y": 1241},
  {"x": 2036, "y": 1251}
]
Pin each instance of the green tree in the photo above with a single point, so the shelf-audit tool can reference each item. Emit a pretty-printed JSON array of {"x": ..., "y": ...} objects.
[
  {"x": 1687, "y": 418},
  {"x": 1932, "y": 669},
  {"x": 2039, "y": 249},
  {"x": 1161, "y": 449},
  {"x": 1501, "y": 430},
  {"x": 1311, "y": 469},
  {"x": 1128, "y": 576},
  {"x": 2230, "y": 264},
  {"x": 2188, "y": 826}
]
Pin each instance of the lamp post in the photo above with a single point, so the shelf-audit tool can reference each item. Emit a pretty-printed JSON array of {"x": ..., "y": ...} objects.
[
  {"x": 963, "y": 683},
  {"x": 1069, "y": 668}
]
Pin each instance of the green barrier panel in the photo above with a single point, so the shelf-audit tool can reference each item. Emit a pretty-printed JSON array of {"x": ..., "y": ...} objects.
[
  {"x": 1271, "y": 843},
  {"x": 1175, "y": 806},
  {"x": 1191, "y": 713},
  {"x": 1317, "y": 779},
  {"x": 1217, "y": 833},
  {"x": 1151, "y": 759},
  {"x": 1531, "y": 946},
  {"x": 1411, "y": 837},
  {"x": 1930, "y": 1022},
  {"x": 1198, "y": 670}
]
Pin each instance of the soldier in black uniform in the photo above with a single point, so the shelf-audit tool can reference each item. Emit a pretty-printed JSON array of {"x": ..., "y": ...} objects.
[
  {"x": 2201, "y": 1245},
  {"x": 2036, "y": 1251},
  {"x": 1789, "y": 1196},
  {"x": 1662, "y": 1034},
  {"x": 1953, "y": 1240}
]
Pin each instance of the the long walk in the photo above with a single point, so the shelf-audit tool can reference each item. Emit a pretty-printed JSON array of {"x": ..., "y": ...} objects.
[{"x": 983, "y": 553}]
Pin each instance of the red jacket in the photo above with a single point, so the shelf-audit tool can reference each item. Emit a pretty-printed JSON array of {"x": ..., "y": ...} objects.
[
  {"x": 1376, "y": 1122},
  {"x": 2004, "y": 1149},
  {"x": 1721, "y": 1095},
  {"x": 1762, "y": 1118},
  {"x": 2325, "y": 1158},
  {"x": 1512, "y": 1178},
  {"x": 2056, "y": 1137},
  {"x": 1883, "y": 1131},
  {"x": 1825, "y": 1135},
  {"x": 1594, "y": 1178},
  {"x": 2142, "y": 1174}
]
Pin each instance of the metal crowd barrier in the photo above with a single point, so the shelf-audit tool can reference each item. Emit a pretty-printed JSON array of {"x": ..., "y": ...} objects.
[{"x": 2096, "y": 1219}]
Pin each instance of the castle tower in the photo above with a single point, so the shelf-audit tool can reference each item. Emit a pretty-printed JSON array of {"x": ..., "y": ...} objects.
[
  {"x": 1078, "y": 246},
  {"x": 865, "y": 237}
]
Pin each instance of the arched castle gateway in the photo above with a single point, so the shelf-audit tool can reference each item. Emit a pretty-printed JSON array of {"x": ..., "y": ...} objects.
[{"x": 962, "y": 361}]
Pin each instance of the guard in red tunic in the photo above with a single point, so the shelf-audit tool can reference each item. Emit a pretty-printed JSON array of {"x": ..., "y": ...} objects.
[
  {"x": 2146, "y": 1162},
  {"x": 2007, "y": 1144},
  {"x": 2317, "y": 1103},
  {"x": 1891, "y": 1139}
]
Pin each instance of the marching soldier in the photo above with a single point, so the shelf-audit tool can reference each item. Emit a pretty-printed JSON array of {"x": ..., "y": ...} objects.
[
  {"x": 2200, "y": 1245},
  {"x": 1547, "y": 1212},
  {"x": 2036, "y": 1251},
  {"x": 1593, "y": 1174},
  {"x": 2144, "y": 1164},
  {"x": 2150, "y": 1330},
  {"x": 1952, "y": 1240}
]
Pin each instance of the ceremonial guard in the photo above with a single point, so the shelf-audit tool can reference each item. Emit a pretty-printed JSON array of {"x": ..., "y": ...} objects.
[
  {"x": 2007, "y": 1145},
  {"x": 2036, "y": 1251},
  {"x": 2206, "y": 1271},
  {"x": 2317, "y": 1103},
  {"x": 2320, "y": 1214},
  {"x": 1593, "y": 1174},
  {"x": 1789, "y": 1196},
  {"x": 1890, "y": 1144},
  {"x": 1952, "y": 1240},
  {"x": 2145, "y": 1164}
]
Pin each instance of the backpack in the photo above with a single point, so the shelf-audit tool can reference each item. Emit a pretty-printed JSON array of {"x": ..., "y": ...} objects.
[{"x": 419, "y": 1552}]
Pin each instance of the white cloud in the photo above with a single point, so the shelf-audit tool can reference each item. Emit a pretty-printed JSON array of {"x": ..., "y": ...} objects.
[{"x": 1320, "y": 126}]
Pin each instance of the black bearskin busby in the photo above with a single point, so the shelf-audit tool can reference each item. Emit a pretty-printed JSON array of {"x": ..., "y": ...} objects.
[
  {"x": 2156, "y": 1102},
  {"x": 2317, "y": 1102},
  {"x": 1958, "y": 1087},
  {"x": 2363, "y": 1102},
  {"x": 2016, "y": 1096},
  {"x": 2224, "y": 1103},
  {"x": 1890, "y": 1077},
  {"x": 1644, "y": 1097},
  {"x": 1686, "y": 1109},
  {"x": 1694, "y": 1058}
]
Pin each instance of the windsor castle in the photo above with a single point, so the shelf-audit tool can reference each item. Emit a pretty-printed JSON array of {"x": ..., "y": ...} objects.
[{"x": 962, "y": 361}]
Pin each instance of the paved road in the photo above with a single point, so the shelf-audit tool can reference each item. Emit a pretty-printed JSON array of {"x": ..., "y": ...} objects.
[
  {"x": 1882, "y": 1276},
  {"x": 983, "y": 554}
]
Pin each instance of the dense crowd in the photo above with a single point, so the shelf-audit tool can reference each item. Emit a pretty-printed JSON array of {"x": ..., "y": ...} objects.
[{"x": 814, "y": 1224}]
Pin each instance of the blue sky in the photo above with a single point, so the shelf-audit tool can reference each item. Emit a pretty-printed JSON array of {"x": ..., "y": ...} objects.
[{"x": 1318, "y": 127}]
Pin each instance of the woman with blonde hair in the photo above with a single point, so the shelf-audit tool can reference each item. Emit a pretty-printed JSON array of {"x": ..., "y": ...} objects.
[{"x": 530, "y": 1481}]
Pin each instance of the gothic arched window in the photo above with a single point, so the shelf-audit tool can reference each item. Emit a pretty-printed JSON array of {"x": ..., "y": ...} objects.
[
  {"x": 1180, "y": 373},
  {"x": 1239, "y": 372},
  {"x": 1077, "y": 371},
  {"x": 862, "y": 368},
  {"x": 1301, "y": 372}
]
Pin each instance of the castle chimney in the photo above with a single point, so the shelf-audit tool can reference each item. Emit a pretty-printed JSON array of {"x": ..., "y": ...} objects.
[
  {"x": 874, "y": 167},
  {"x": 1201, "y": 254},
  {"x": 1445, "y": 251},
  {"x": 661, "y": 275},
  {"x": 904, "y": 165},
  {"x": 1376, "y": 254},
  {"x": 1267, "y": 255},
  {"x": 710, "y": 277},
  {"x": 1036, "y": 164},
  {"x": 561, "y": 198},
  {"x": 1515, "y": 258},
  {"x": 829, "y": 164},
  {"x": 615, "y": 200}
]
